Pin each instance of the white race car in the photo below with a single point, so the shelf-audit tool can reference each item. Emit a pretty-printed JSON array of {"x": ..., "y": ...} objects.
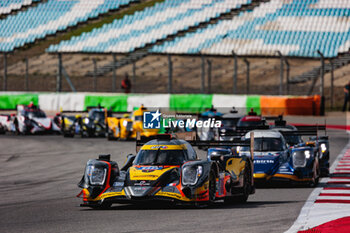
[{"x": 32, "y": 120}]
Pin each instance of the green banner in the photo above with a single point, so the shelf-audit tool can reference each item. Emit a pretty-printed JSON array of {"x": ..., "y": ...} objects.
[
  {"x": 117, "y": 103},
  {"x": 11, "y": 101},
  {"x": 190, "y": 102},
  {"x": 253, "y": 102}
]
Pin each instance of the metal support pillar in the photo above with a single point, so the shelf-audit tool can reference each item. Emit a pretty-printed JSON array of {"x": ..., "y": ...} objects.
[
  {"x": 209, "y": 76},
  {"x": 114, "y": 78},
  {"x": 235, "y": 71},
  {"x": 288, "y": 72},
  {"x": 133, "y": 74},
  {"x": 322, "y": 107},
  {"x": 332, "y": 83},
  {"x": 203, "y": 74},
  {"x": 59, "y": 74},
  {"x": 248, "y": 70},
  {"x": 95, "y": 74},
  {"x": 280, "y": 90},
  {"x": 5, "y": 73},
  {"x": 170, "y": 75},
  {"x": 27, "y": 75}
]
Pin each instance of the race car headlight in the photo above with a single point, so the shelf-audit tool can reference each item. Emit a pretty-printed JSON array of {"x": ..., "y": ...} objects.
[
  {"x": 190, "y": 174},
  {"x": 86, "y": 120},
  {"x": 307, "y": 154},
  {"x": 96, "y": 175},
  {"x": 125, "y": 123},
  {"x": 238, "y": 149},
  {"x": 323, "y": 147}
]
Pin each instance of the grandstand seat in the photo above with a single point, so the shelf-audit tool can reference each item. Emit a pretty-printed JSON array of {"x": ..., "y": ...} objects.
[
  {"x": 48, "y": 18},
  {"x": 151, "y": 24},
  {"x": 296, "y": 28},
  {"x": 7, "y": 6}
]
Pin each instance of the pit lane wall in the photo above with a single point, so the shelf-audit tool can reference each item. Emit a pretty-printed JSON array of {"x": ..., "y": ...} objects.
[{"x": 266, "y": 105}]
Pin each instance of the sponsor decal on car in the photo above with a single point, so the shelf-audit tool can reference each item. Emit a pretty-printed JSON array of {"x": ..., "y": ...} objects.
[{"x": 265, "y": 161}]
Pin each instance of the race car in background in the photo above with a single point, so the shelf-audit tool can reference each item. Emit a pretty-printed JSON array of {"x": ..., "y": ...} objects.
[
  {"x": 229, "y": 124},
  {"x": 125, "y": 128},
  {"x": 91, "y": 125},
  {"x": 119, "y": 127},
  {"x": 251, "y": 120},
  {"x": 275, "y": 161},
  {"x": 29, "y": 120},
  {"x": 208, "y": 133},
  {"x": 322, "y": 143},
  {"x": 293, "y": 136},
  {"x": 167, "y": 169},
  {"x": 291, "y": 139},
  {"x": 6, "y": 123}
]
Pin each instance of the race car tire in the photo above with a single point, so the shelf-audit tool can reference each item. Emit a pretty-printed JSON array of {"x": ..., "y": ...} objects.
[
  {"x": 110, "y": 135},
  {"x": 315, "y": 176},
  {"x": 68, "y": 135},
  {"x": 212, "y": 187}
]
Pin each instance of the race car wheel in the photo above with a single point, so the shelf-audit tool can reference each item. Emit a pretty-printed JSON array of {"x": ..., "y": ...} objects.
[
  {"x": 315, "y": 176},
  {"x": 212, "y": 187},
  {"x": 109, "y": 134}
]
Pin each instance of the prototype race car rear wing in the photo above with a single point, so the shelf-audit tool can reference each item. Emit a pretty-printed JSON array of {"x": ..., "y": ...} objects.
[
  {"x": 240, "y": 131},
  {"x": 309, "y": 130}
]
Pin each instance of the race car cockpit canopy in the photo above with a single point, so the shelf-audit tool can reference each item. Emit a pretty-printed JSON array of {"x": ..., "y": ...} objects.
[
  {"x": 267, "y": 140},
  {"x": 97, "y": 113},
  {"x": 165, "y": 152}
]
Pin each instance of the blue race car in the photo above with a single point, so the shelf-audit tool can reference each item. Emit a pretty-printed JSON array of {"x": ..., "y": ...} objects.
[{"x": 274, "y": 160}]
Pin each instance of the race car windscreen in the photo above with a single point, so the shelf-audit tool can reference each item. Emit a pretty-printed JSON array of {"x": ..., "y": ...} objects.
[
  {"x": 229, "y": 122},
  {"x": 266, "y": 144},
  {"x": 34, "y": 114},
  {"x": 138, "y": 118},
  {"x": 292, "y": 139},
  {"x": 97, "y": 115},
  {"x": 249, "y": 123},
  {"x": 160, "y": 157}
]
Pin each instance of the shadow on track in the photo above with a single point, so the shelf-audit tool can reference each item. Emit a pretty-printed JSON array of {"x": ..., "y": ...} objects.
[{"x": 172, "y": 206}]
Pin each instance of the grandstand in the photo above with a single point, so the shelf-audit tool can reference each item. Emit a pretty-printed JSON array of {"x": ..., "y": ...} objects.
[
  {"x": 48, "y": 18},
  {"x": 8, "y": 6},
  {"x": 195, "y": 33}
]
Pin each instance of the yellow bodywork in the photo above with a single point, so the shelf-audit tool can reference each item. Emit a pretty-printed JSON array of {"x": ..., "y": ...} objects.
[
  {"x": 137, "y": 118},
  {"x": 235, "y": 166},
  {"x": 120, "y": 131},
  {"x": 138, "y": 174},
  {"x": 118, "y": 127},
  {"x": 263, "y": 176}
]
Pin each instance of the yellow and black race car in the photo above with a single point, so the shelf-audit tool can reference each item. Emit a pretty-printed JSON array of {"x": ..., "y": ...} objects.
[
  {"x": 168, "y": 169},
  {"x": 126, "y": 127}
]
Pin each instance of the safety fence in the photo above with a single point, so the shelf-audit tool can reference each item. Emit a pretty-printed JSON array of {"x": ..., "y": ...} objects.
[{"x": 266, "y": 105}]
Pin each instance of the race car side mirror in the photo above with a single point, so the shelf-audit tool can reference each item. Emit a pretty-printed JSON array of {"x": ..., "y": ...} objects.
[{"x": 128, "y": 163}]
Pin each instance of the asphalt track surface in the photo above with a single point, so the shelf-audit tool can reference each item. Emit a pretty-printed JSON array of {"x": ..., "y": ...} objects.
[{"x": 38, "y": 178}]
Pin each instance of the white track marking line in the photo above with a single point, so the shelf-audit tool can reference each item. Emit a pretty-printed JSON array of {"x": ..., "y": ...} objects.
[
  {"x": 342, "y": 180},
  {"x": 333, "y": 198},
  {"x": 342, "y": 191},
  {"x": 303, "y": 217}
]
